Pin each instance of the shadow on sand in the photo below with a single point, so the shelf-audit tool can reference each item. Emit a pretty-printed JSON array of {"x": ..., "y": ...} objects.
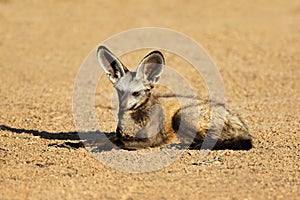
[{"x": 77, "y": 140}]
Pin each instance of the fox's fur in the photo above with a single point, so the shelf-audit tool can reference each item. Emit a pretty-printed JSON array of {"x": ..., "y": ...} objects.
[{"x": 149, "y": 117}]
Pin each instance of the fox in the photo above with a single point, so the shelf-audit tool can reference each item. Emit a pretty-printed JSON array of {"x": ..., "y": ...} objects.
[{"x": 149, "y": 116}]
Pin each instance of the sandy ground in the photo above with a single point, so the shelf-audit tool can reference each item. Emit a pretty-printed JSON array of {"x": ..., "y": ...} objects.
[{"x": 256, "y": 45}]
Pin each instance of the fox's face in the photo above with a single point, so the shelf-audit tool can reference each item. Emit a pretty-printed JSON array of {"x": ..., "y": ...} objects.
[
  {"x": 132, "y": 91},
  {"x": 133, "y": 88}
]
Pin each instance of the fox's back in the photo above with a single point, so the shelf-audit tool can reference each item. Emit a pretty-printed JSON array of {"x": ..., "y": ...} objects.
[{"x": 193, "y": 119}]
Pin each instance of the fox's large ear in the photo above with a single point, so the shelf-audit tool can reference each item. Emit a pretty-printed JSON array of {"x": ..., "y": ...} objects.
[
  {"x": 111, "y": 64},
  {"x": 151, "y": 67}
]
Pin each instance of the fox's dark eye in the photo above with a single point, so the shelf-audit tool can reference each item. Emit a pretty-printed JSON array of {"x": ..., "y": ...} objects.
[{"x": 136, "y": 94}]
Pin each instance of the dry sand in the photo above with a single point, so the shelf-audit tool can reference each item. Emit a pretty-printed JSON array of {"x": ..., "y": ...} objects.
[{"x": 256, "y": 45}]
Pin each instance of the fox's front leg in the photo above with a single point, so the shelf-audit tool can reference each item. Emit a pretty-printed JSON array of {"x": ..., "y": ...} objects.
[
  {"x": 117, "y": 142},
  {"x": 134, "y": 143}
]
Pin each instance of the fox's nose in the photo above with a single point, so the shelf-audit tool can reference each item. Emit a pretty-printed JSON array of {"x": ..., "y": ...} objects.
[{"x": 125, "y": 103}]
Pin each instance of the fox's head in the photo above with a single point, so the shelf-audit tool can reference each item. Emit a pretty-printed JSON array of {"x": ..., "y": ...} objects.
[{"x": 133, "y": 88}]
